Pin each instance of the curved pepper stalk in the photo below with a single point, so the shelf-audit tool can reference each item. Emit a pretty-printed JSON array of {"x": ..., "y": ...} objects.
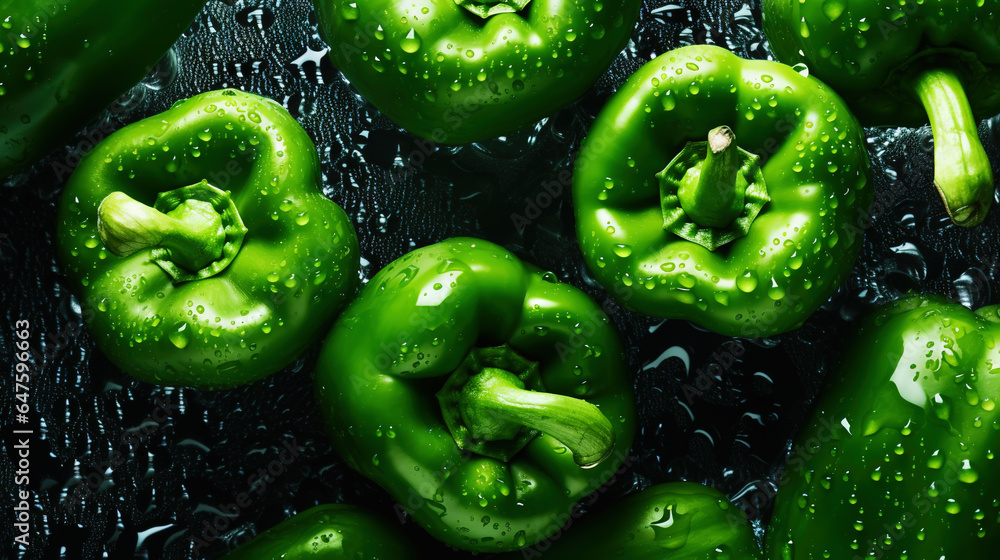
[
  {"x": 173, "y": 290},
  {"x": 962, "y": 172},
  {"x": 476, "y": 390},
  {"x": 902, "y": 63},
  {"x": 489, "y": 410},
  {"x": 193, "y": 232}
]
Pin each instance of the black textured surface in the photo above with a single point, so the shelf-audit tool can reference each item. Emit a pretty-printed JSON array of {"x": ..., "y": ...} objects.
[{"x": 113, "y": 477}]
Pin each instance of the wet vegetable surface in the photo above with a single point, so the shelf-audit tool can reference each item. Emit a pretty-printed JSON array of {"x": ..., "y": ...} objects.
[
  {"x": 120, "y": 466},
  {"x": 212, "y": 310},
  {"x": 64, "y": 61},
  {"x": 533, "y": 407},
  {"x": 468, "y": 70},
  {"x": 899, "y": 458},
  {"x": 651, "y": 219},
  {"x": 907, "y": 64}
]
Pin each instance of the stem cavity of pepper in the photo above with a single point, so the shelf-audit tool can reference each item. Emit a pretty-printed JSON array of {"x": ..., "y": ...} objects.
[
  {"x": 192, "y": 232},
  {"x": 962, "y": 172},
  {"x": 712, "y": 191},
  {"x": 489, "y": 8},
  {"x": 494, "y": 404}
]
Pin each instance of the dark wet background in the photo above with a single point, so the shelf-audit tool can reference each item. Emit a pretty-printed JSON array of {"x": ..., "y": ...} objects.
[{"x": 725, "y": 418}]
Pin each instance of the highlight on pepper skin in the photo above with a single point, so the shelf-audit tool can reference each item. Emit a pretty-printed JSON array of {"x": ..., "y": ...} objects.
[
  {"x": 461, "y": 381},
  {"x": 200, "y": 286},
  {"x": 732, "y": 193}
]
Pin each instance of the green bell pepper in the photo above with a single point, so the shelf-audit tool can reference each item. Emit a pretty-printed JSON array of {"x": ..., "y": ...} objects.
[
  {"x": 176, "y": 290},
  {"x": 63, "y": 61},
  {"x": 746, "y": 233},
  {"x": 900, "y": 63},
  {"x": 533, "y": 406},
  {"x": 457, "y": 71},
  {"x": 330, "y": 532},
  {"x": 898, "y": 459},
  {"x": 676, "y": 521}
]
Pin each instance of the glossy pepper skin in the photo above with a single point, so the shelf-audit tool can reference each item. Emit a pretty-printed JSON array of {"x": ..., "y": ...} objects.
[
  {"x": 675, "y": 521},
  {"x": 63, "y": 61},
  {"x": 328, "y": 532},
  {"x": 191, "y": 301},
  {"x": 457, "y": 71},
  {"x": 902, "y": 63},
  {"x": 899, "y": 457},
  {"x": 671, "y": 235},
  {"x": 415, "y": 384}
]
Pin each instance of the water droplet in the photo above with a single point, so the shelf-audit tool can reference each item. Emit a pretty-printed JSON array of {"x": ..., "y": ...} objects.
[
  {"x": 349, "y": 11},
  {"x": 622, "y": 250},
  {"x": 179, "y": 337},
  {"x": 411, "y": 43},
  {"x": 747, "y": 282},
  {"x": 832, "y": 9},
  {"x": 668, "y": 101}
]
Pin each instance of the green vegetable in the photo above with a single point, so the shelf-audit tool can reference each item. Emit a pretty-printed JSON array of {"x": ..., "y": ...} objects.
[
  {"x": 676, "y": 521},
  {"x": 63, "y": 61},
  {"x": 486, "y": 397},
  {"x": 900, "y": 63},
  {"x": 728, "y": 192},
  {"x": 457, "y": 71},
  {"x": 898, "y": 460},
  {"x": 183, "y": 283},
  {"x": 330, "y": 532}
]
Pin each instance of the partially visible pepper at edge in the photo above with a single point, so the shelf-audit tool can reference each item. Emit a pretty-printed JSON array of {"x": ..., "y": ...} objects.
[
  {"x": 63, "y": 61},
  {"x": 673, "y": 521},
  {"x": 457, "y": 71},
  {"x": 899, "y": 459},
  {"x": 901, "y": 63},
  {"x": 329, "y": 532}
]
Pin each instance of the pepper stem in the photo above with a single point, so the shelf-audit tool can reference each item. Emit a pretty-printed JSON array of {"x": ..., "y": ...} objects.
[
  {"x": 713, "y": 198},
  {"x": 193, "y": 231},
  {"x": 962, "y": 172},
  {"x": 712, "y": 191},
  {"x": 488, "y": 8},
  {"x": 494, "y": 404}
]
